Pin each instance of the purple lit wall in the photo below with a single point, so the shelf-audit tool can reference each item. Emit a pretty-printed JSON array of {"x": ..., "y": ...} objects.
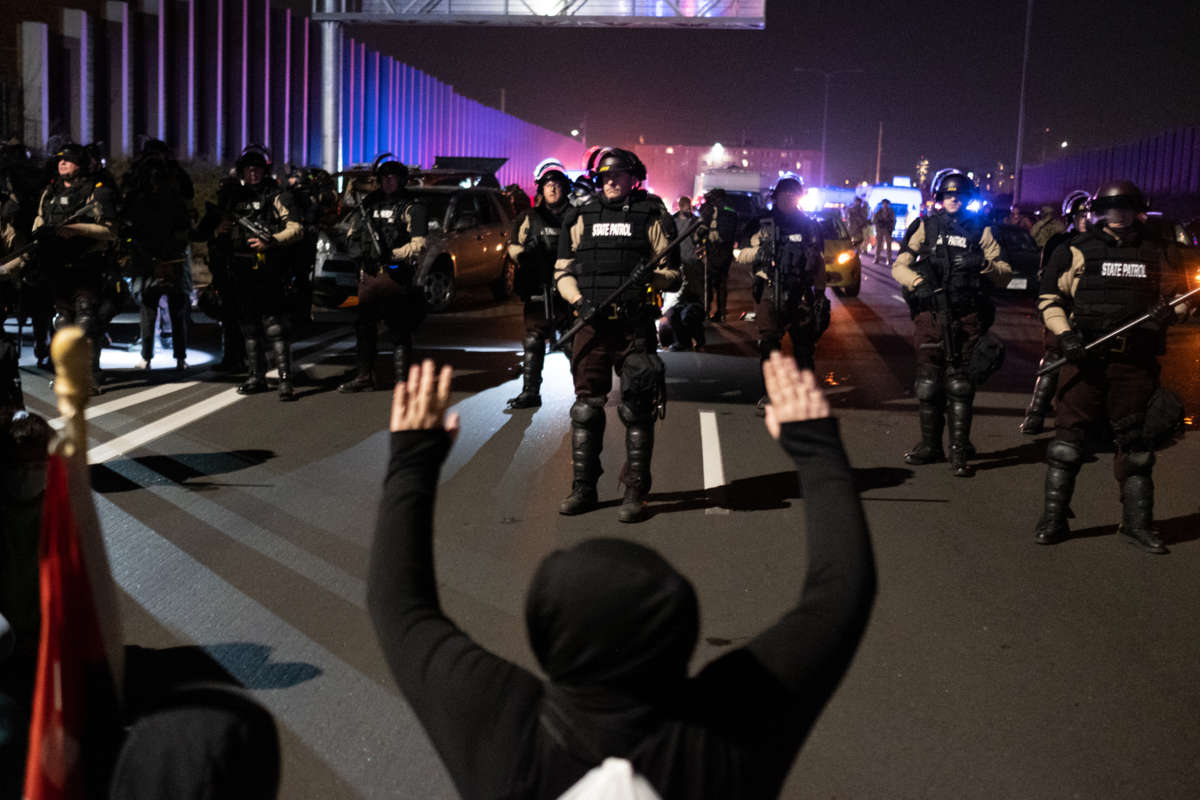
[
  {"x": 211, "y": 76},
  {"x": 1166, "y": 167}
]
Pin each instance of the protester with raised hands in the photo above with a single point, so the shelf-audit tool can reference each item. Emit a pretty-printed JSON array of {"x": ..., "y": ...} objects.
[{"x": 613, "y": 627}]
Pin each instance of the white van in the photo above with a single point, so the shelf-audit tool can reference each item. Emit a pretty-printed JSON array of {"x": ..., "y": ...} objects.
[{"x": 906, "y": 202}]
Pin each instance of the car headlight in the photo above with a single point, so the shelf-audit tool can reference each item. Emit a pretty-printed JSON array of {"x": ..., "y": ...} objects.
[{"x": 845, "y": 256}]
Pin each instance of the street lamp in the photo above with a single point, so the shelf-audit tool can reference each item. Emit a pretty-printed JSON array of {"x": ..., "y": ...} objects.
[
  {"x": 581, "y": 131},
  {"x": 825, "y": 117}
]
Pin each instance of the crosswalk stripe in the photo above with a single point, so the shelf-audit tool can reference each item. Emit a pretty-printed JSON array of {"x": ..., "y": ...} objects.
[{"x": 121, "y": 403}]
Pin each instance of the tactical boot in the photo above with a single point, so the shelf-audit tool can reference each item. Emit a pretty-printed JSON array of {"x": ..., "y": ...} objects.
[
  {"x": 959, "y": 414},
  {"x": 929, "y": 450},
  {"x": 635, "y": 475},
  {"x": 1137, "y": 497},
  {"x": 587, "y": 437},
  {"x": 364, "y": 378},
  {"x": 1062, "y": 465},
  {"x": 254, "y": 382},
  {"x": 232, "y": 351},
  {"x": 283, "y": 361},
  {"x": 1039, "y": 403},
  {"x": 531, "y": 374},
  {"x": 401, "y": 361}
]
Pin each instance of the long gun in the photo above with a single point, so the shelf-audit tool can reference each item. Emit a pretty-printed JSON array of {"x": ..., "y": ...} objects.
[
  {"x": 941, "y": 305},
  {"x": 547, "y": 276},
  {"x": 1128, "y": 326},
  {"x": 255, "y": 229},
  {"x": 612, "y": 297},
  {"x": 372, "y": 234},
  {"x": 41, "y": 235}
]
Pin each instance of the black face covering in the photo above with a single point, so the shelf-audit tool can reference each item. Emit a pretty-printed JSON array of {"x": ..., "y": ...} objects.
[{"x": 611, "y": 613}]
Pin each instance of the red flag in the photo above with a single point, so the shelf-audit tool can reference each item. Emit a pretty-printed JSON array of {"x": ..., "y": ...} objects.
[{"x": 70, "y": 734}]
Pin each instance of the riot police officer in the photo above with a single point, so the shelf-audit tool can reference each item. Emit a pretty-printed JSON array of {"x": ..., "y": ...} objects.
[
  {"x": 1074, "y": 210},
  {"x": 76, "y": 223},
  {"x": 605, "y": 242},
  {"x": 157, "y": 215},
  {"x": 260, "y": 221},
  {"x": 718, "y": 233},
  {"x": 533, "y": 246},
  {"x": 392, "y": 229},
  {"x": 944, "y": 263},
  {"x": 786, "y": 253},
  {"x": 1102, "y": 278}
]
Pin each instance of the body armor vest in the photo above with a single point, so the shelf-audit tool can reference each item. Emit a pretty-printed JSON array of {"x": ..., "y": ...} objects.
[
  {"x": 62, "y": 201},
  {"x": 792, "y": 239},
  {"x": 544, "y": 228},
  {"x": 615, "y": 239},
  {"x": 1119, "y": 281},
  {"x": 388, "y": 220},
  {"x": 724, "y": 225},
  {"x": 946, "y": 237},
  {"x": 535, "y": 265},
  {"x": 256, "y": 204}
]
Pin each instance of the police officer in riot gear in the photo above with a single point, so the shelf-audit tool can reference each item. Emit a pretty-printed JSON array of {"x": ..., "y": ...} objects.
[
  {"x": 258, "y": 265},
  {"x": 944, "y": 264},
  {"x": 786, "y": 254},
  {"x": 1102, "y": 278},
  {"x": 1074, "y": 211},
  {"x": 533, "y": 246},
  {"x": 157, "y": 212},
  {"x": 77, "y": 222},
  {"x": 605, "y": 242},
  {"x": 392, "y": 221},
  {"x": 718, "y": 232}
]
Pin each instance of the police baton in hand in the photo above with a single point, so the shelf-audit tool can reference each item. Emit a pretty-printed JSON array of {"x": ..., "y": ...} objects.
[
  {"x": 636, "y": 275},
  {"x": 1128, "y": 326}
]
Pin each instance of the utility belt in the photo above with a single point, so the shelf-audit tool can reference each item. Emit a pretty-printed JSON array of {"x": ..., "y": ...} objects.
[
  {"x": 1133, "y": 345},
  {"x": 252, "y": 261}
]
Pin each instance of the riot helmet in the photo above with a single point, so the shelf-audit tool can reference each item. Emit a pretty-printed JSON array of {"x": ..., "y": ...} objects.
[
  {"x": 617, "y": 160},
  {"x": 591, "y": 159},
  {"x": 1118, "y": 194},
  {"x": 1075, "y": 203},
  {"x": 716, "y": 195},
  {"x": 154, "y": 147},
  {"x": 75, "y": 154},
  {"x": 255, "y": 155},
  {"x": 788, "y": 184},
  {"x": 952, "y": 182}
]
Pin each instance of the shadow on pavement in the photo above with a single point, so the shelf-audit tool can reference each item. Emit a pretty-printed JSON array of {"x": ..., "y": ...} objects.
[
  {"x": 1031, "y": 451},
  {"x": 251, "y": 665},
  {"x": 182, "y": 469}
]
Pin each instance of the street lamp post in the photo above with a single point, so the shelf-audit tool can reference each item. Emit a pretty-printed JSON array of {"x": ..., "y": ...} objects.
[{"x": 825, "y": 116}]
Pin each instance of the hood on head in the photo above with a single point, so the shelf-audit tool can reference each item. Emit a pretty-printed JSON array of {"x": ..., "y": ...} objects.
[{"x": 609, "y": 612}]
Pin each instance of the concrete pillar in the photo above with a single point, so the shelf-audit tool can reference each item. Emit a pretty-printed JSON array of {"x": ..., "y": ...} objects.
[
  {"x": 210, "y": 81},
  {"x": 77, "y": 44},
  {"x": 180, "y": 77},
  {"x": 331, "y": 91},
  {"x": 35, "y": 82},
  {"x": 120, "y": 88},
  {"x": 150, "y": 93}
]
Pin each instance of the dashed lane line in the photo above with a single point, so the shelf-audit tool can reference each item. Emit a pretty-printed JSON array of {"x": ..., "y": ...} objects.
[{"x": 714, "y": 466}]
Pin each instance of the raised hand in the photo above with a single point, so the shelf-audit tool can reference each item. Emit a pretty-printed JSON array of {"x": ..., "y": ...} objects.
[
  {"x": 419, "y": 404},
  {"x": 793, "y": 392}
]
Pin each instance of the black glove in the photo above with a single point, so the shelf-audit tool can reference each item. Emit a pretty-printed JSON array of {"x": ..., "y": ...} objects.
[
  {"x": 1072, "y": 346},
  {"x": 584, "y": 309},
  {"x": 924, "y": 290},
  {"x": 1163, "y": 313},
  {"x": 758, "y": 288},
  {"x": 969, "y": 261},
  {"x": 641, "y": 274}
]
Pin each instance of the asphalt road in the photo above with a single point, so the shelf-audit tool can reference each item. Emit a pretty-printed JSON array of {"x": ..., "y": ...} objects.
[{"x": 992, "y": 667}]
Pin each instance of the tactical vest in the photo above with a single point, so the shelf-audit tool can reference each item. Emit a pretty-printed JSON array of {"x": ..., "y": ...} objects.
[
  {"x": 544, "y": 229},
  {"x": 615, "y": 239},
  {"x": 58, "y": 205},
  {"x": 792, "y": 239},
  {"x": 63, "y": 201},
  {"x": 724, "y": 225},
  {"x": 388, "y": 220},
  {"x": 256, "y": 204},
  {"x": 1118, "y": 282},
  {"x": 945, "y": 238}
]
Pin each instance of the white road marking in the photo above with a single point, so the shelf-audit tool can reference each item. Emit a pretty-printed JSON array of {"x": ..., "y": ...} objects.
[
  {"x": 714, "y": 466},
  {"x": 112, "y": 406},
  {"x": 161, "y": 427}
]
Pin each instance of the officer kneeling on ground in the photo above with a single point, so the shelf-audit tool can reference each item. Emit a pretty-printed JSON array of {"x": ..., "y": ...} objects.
[
  {"x": 1114, "y": 272},
  {"x": 943, "y": 264},
  {"x": 603, "y": 243}
]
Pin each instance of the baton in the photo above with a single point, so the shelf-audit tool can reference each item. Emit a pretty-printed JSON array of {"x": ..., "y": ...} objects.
[
  {"x": 579, "y": 325},
  {"x": 1115, "y": 333}
]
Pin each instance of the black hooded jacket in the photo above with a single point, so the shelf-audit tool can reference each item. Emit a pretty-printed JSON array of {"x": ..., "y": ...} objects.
[{"x": 613, "y": 626}]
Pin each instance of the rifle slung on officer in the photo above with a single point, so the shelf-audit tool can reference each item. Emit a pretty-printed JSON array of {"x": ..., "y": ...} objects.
[
  {"x": 615, "y": 294},
  {"x": 546, "y": 273},
  {"x": 1128, "y": 326},
  {"x": 372, "y": 234},
  {"x": 255, "y": 229},
  {"x": 48, "y": 232},
  {"x": 941, "y": 308}
]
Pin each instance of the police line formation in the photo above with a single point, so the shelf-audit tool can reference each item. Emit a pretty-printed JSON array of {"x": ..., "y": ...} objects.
[{"x": 593, "y": 257}]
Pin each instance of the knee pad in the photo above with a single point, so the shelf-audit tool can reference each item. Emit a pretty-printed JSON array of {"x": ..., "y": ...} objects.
[
  {"x": 927, "y": 390},
  {"x": 1064, "y": 454},
  {"x": 273, "y": 328},
  {"x": 642, "y": 375},
  {"x": 588, "y": 412},
  {"x": 960, "y": 387},
  {"x": 635, "y": 413},
  {"x": 1138, "y": 462}
]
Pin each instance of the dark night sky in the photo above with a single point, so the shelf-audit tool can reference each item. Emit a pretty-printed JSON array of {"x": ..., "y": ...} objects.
[{"x": 942, "y": 76}]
